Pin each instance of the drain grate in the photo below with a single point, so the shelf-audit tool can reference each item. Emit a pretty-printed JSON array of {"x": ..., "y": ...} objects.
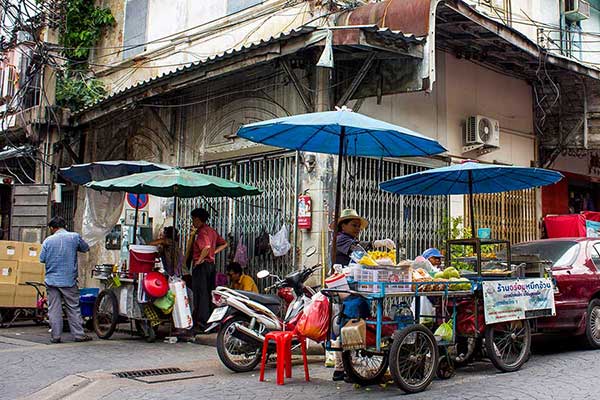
[{"x": 149, "y": 372}]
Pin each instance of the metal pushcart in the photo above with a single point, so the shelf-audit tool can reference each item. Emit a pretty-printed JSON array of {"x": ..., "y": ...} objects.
[
  {"x": 410, "y": 349},
  {"x": 118, "y": 303}
]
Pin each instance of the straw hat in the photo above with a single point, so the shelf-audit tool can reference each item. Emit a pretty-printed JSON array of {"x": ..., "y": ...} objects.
[{"x": 348, "y": 214}]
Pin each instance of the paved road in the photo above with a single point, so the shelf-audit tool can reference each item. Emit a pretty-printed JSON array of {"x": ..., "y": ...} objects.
[{"x": 558, "y": 370}]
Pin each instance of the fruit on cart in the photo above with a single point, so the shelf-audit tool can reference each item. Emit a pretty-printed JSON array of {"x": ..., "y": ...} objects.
[
  {"x": 368, "y": 261},
  {"x": 387, "y": 257},
  {"x": 451, "y": 272},
  {"x": 460, "y": 284},
  {"x": 439, "y": 275}
]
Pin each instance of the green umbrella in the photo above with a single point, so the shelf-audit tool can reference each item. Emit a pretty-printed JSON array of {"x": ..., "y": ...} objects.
[{"x": 175, "y": 182}]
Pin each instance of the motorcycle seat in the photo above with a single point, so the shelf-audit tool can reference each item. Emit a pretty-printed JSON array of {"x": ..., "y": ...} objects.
[{"x": 265, "y": 299}]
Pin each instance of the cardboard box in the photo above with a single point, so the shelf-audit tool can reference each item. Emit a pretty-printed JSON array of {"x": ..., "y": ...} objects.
[
  {"x": 7, "y": 294},
  {"x": 8, "y": 271},
  {"x": 30, "y": 271},
  {"x": 31, "y": 252},
  {"x": 25, "y": 296},
  {"x": 10, "y": 250}
]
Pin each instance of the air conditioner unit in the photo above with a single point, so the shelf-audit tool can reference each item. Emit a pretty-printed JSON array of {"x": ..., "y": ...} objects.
[
  {"x": 482, "y": 132},
  {"x": 577, "y": 10}
]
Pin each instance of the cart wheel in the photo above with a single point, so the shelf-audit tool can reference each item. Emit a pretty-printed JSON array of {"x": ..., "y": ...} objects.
[
  {"x": 445, "y": 369},
  {"x": 365, "y": 367},
  {"x": 106, "y": 314},
  {"x": 413, "y": 358},
  {"x": 507, "y": 344}
]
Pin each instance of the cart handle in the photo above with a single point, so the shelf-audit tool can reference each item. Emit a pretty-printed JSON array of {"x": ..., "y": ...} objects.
[{"x": 332, "y": 292}]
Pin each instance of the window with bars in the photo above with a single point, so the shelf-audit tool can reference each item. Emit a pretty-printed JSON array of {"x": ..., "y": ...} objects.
[{"x": 510, "y": 215}]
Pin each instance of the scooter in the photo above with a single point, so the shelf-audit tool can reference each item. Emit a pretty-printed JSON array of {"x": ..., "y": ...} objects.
[{"x": 244, "y": 317}]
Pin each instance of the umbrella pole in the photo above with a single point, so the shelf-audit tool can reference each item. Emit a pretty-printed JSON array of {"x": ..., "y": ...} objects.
[
  {"x": 471, "y": 205},
  {"x": 338, "y": 195},
  {"x": 135, "y": 218},
  {"x": 175, "y": 244}
]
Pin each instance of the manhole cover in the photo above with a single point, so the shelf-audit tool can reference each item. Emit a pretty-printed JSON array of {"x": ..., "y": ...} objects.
[{"x": 149, "y": 372}]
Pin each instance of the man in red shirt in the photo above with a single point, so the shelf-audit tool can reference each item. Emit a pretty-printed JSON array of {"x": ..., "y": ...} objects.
[{"x": 207, "y": 244}]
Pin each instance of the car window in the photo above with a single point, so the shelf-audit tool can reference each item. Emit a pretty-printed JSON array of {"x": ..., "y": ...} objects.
[
  {"x": 595, "y": 255},
  {"x": 559, "y": 252}
]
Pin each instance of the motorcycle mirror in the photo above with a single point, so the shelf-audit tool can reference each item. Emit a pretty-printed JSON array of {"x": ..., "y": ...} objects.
[
  {"x": 263, "y": 274},
  {"x": 310, "y": 251}
]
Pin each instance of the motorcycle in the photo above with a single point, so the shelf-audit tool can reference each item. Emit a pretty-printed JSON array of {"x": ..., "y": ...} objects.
[{"x": 244, "y": 317}]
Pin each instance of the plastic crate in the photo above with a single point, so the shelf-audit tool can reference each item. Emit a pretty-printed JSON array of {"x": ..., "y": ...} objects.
[{"x": 364, "y": 277}]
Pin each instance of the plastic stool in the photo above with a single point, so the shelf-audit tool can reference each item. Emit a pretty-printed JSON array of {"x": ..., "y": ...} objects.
[{"x": 283, "y": 345}]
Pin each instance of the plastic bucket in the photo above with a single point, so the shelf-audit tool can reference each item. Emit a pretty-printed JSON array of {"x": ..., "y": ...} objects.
[
  {"x": 141, "y": 258},
  {"x": 87, "y": 298}
]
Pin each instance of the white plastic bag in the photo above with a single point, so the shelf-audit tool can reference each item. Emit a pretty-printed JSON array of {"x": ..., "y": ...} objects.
[
  {"x": 182, "y": 314},
  {"x": 279, "y": 242}
]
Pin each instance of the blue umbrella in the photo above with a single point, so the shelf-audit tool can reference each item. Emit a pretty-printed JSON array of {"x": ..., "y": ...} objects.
[
  {"x": 80, "y": 174},
  {"x": 344, "y": 133},
  {"x": 341, "y": 132},
  {"x": 471, "y": 178}
]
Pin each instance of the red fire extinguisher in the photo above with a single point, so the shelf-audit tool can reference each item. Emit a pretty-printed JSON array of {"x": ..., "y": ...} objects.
[{"x": 304, "y": 212}]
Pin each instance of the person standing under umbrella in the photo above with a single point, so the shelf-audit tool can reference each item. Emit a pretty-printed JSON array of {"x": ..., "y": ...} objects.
[{"x": 206, "y": 245}]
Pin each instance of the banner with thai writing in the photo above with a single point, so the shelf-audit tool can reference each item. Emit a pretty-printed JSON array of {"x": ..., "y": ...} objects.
[{"x": 509, "y": 300}]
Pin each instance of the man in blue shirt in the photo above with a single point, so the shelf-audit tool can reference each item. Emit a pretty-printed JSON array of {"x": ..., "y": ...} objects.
[{"x": 59, "y": 253}]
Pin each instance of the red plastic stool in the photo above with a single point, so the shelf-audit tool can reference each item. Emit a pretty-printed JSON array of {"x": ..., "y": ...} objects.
[{"x": 283, "y": 344}]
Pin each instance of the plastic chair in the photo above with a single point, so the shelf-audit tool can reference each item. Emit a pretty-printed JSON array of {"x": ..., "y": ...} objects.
[{"x": 283, "y": 346}]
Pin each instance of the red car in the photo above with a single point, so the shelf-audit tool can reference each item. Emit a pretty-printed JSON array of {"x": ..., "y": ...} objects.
[{"x": 576, "y": 269}]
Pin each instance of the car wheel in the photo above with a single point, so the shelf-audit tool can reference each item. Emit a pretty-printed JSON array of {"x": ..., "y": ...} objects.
[{"x": 592, "y": 324}]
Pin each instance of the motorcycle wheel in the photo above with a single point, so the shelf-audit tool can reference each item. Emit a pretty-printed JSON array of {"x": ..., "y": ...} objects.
[{"x": 236, "y": 354}]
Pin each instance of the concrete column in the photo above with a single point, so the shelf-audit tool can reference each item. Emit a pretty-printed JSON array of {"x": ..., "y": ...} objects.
[{"x": 318, "y": 175}]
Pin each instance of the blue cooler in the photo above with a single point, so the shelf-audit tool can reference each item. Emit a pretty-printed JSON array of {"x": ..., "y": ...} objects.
[{"x": 87, "y": 298}]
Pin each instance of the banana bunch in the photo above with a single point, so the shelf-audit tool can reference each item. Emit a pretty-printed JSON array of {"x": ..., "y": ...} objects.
[
  {"x": 380, "y": 254},
  {"x": 368, "y": 261}
]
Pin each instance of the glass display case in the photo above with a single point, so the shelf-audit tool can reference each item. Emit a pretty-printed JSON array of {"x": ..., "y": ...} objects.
[{"x": 481, "y": 257}]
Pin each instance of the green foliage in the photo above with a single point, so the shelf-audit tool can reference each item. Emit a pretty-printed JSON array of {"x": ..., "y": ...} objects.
[
  {"x": 80, "y": 33},
  {"x": 83, "y": 27},
  {"x": 77, "y": 92}
]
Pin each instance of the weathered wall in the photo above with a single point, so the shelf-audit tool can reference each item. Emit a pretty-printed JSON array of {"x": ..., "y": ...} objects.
[
  {"x": 205, "y": 32},
  {"x": 464, "y": 89}
]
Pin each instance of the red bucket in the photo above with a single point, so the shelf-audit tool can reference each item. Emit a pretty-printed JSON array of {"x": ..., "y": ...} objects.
[{"x": 141, "y": 259}]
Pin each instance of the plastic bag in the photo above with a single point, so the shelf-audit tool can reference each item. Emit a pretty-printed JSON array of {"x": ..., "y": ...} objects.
[
  {"x": 166, "y": 302},
  {"x": 444, "y": 331},
  {"x": 279, "y": 242},
  {"x": 261, "y": 243},
  {"x": 221, "y": 279},
  {"x": 241, "y": 253},
  {"x": 314, "y": 322},
  {"x": 182, "y": 314}
]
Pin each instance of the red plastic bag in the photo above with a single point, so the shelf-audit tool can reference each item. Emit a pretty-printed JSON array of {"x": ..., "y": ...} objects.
[{"x": 314, "y": 322}]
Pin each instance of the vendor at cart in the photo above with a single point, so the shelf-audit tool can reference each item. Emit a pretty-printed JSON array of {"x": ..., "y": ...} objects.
[
  {"x": 349, "y": 225},
  {"x": 434, "y": 256},
  {"x": 169, "y": 252}
]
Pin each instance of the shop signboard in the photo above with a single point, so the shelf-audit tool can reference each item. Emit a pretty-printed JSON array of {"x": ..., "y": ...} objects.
[
  {"x": 592, "y": 228},
  {"x": 516, "y": 299}
]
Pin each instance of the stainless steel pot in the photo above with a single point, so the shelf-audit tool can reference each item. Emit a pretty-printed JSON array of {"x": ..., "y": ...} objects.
[{"x": 102, "y": 271}]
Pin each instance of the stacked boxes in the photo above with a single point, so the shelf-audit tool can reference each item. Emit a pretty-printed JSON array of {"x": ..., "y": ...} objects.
[{"x": 19, "y": 263}]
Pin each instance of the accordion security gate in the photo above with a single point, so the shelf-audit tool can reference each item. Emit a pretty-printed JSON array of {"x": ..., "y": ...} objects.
[
  {"x": 414, "y": 222},
  {"x": 250, "y": 218}
]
